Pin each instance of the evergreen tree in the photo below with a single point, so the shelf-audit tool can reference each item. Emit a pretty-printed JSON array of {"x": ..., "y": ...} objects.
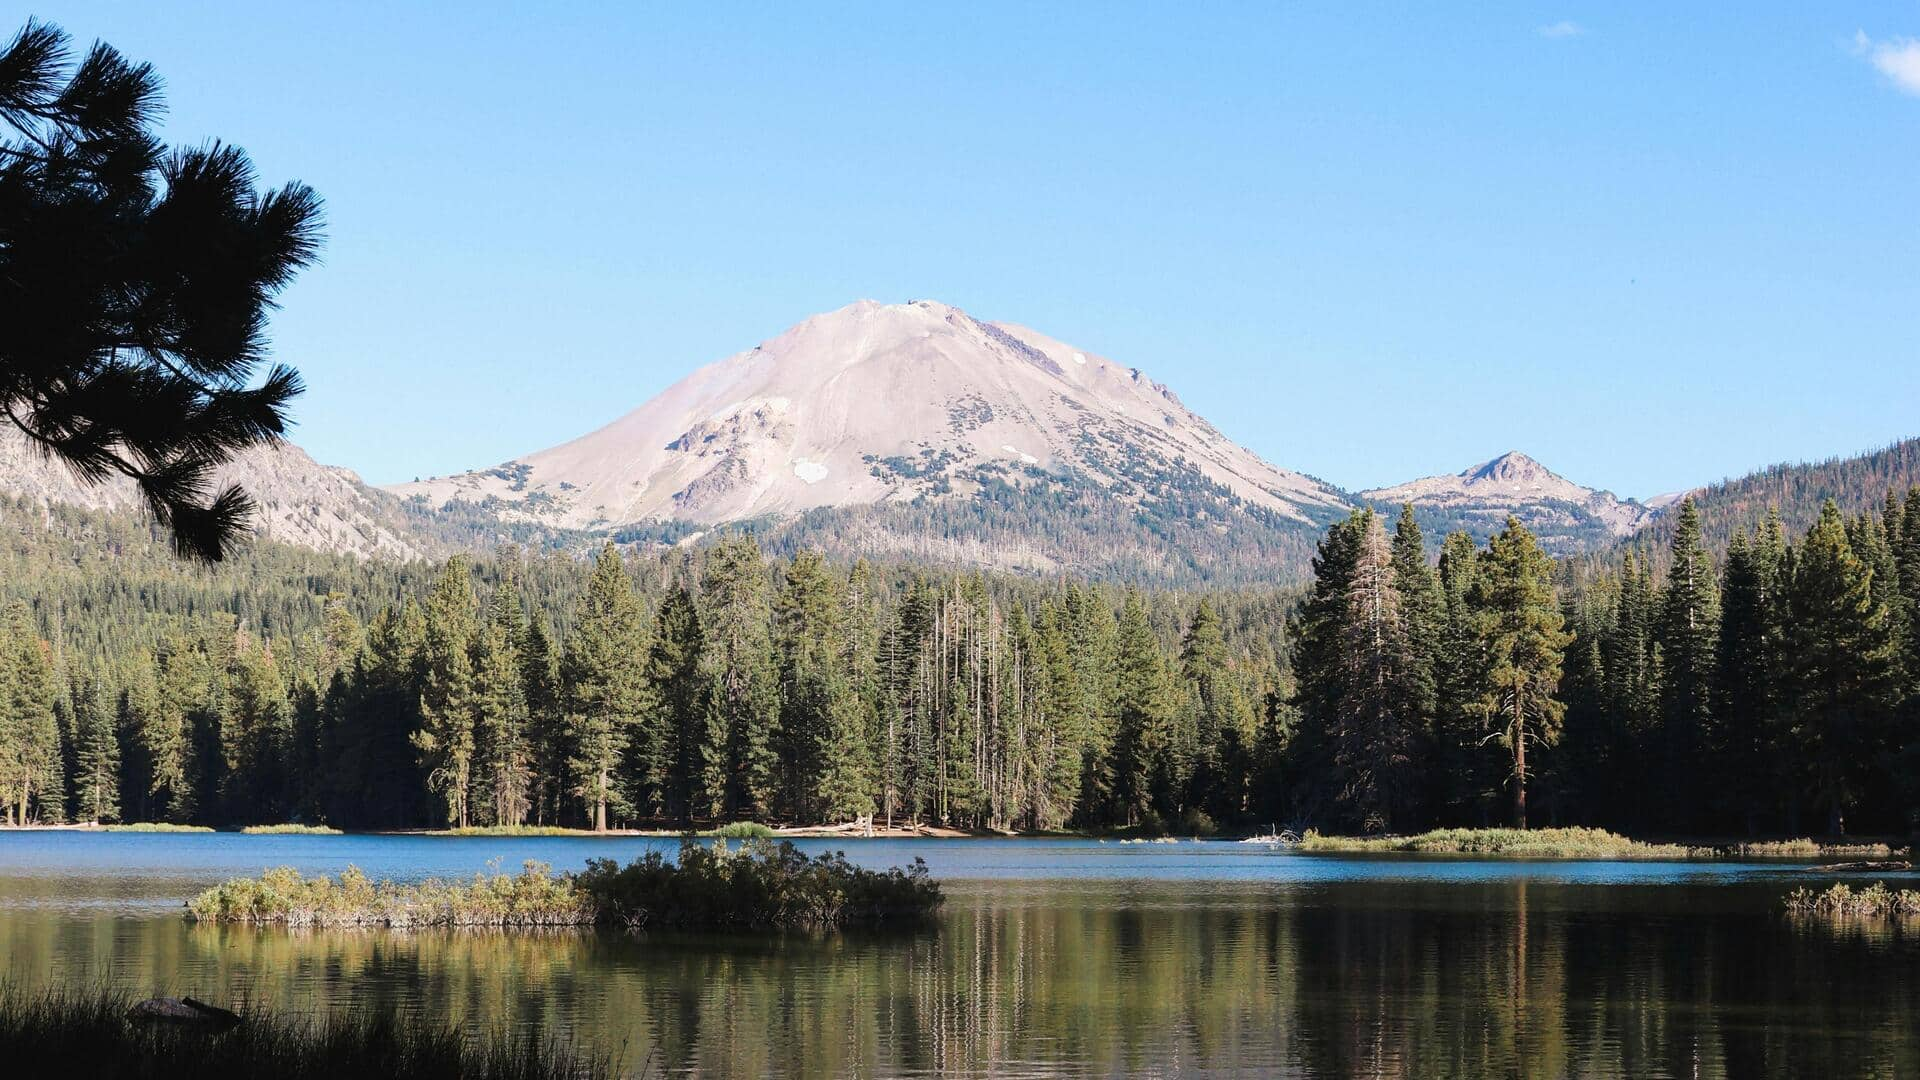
[
  {"x": 96, "y": 773},
  {"x": 1145, "y": 709},
  {"x": 1520, "y": 632},
  {"x": 1375, "y": 713},
  {"x": 546, "y": 738},
  {"x": 678, "y": 699},
  {"x": 30, "y": 782},
  {"x": 1423, "y": 608},
  {"x": 446, "y": 739},
  {"x": 601, "y": 675},
  {"x": 1224, "y": 718},
  {"x": 741, "y": 749},
  {"x": 500, "y": 714},
  {"x": 1688, "y": 622},
  {"x": 257, "y": 737},
  {"x": 1461, "y": 785},
  {"x": 1842, "y": 654},
  {"x": 1749, "y": 698},
  {"x": 136, "y": 284}
]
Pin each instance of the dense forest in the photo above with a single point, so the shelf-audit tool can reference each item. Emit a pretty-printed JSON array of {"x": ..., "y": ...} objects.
[{"x": 1772, "y": 690}]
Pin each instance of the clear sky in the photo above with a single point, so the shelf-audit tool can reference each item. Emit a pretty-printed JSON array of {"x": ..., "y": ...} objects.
[{"x": 1651, "y": 245}]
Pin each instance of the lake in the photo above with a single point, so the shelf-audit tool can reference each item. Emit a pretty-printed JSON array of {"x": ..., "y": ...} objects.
[{"x": 1053, "y": 957}]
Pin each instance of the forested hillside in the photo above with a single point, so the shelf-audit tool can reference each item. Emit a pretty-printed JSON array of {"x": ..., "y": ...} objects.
[
  {"x": 1776, "y": 689},
  {"x": 701, "y": 684},
  {"x": 1855, "y": 484}
]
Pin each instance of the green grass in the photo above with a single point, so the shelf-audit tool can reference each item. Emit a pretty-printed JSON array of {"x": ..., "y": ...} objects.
[
  {"x": 1570, "y": 843},
  {"x": 156, "y": 826},
  {"x": 290, "y": 830},
  {"x": 533, "y": 897},
  {"x": 71, "y": 1033},
  {"x": 755, "y": 884},
  {"x": 515, "y": 830},
  {"x": 1874, "y": 901},
  {"x": 1808, "y": 849}
]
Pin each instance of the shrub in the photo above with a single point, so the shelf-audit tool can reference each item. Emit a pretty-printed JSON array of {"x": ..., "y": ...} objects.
[
  {"x": 742, "y": 830},
  {"x": 1195, "y": 822},
  {"x": 757, "y": 884}
]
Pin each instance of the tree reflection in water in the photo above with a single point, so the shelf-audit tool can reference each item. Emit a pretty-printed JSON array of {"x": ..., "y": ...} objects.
[{"x": 1380, "y": 978}]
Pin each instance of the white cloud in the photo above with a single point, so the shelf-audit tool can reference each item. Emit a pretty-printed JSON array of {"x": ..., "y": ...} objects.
[
  {"x": 1896, "y": 58},
  {"x": 1562, "y": 29}
]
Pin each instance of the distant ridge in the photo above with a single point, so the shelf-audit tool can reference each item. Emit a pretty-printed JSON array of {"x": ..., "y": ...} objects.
[{"x": 1478, "y": 499}]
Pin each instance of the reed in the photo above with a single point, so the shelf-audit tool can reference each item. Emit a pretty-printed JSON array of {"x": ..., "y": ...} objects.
[{"x": 63, "y": 1032}]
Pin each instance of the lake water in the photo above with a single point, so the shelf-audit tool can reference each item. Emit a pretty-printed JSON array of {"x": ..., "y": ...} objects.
[{"x": 1054, "y": 958}]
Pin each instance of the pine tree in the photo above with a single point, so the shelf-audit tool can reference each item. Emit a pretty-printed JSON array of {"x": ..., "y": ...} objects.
[
  {"x": 741, "y": 748},
  {"x": 1688, "y": 622},
  {"x": 257, "y": 736},
  {"x": 1375, "y": 712},
  {"x": 136, "y": 283},
  {"x": 1423, "y": 608},
  {"x": 546, "y": 721},
  {"x": 500, "y": 711},
  {"x": 1520, "y": 632},
  {"x": 1461, "y": 785},
  {"x": 30, "y": 780},
  {"x": 1224, "y": 727},
  {"x": 678, "y": 698},
  {"x": 1318, "y": 666},
  {"x": 1751, "y": 658},
  {"x": 446, "y": 739},
  {"x": 601, "y": 675},
  {"x": 96, "y": 774},
  {"x": 1842, "y": 653},
  {"x": 1145, "y": 709}
]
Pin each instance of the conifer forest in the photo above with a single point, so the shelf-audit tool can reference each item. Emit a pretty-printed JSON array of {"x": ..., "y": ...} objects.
[{"x": 1769, "y": 690}]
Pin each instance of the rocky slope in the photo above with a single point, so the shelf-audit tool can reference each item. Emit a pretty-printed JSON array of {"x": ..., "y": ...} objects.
[
  {"x": 299, "y": 500},
  {"x": 1567, "y": 516},
  {"x": 875, "y": 404}
]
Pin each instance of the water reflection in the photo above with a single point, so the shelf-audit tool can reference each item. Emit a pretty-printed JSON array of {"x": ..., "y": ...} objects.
[{"x": 1344, "y": 977}]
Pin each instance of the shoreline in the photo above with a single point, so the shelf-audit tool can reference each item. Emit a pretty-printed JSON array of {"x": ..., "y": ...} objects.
[{"x": 1692, "y": 848}]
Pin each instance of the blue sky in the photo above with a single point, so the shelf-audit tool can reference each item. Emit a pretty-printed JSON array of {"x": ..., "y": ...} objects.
[{"x": 1651, "y": 245}]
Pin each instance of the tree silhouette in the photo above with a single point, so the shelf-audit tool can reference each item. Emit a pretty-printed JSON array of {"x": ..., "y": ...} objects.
[{"x": 136, "y": 282}]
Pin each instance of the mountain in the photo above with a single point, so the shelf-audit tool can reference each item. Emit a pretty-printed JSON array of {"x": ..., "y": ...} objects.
[
  {"x": 1566, "y": 516},
  {"x": 299, "y": 501},
  {"x": 918, "y": 430}
]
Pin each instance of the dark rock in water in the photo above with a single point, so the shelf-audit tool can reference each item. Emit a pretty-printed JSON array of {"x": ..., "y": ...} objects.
[{"x": 183, "y": 1011}]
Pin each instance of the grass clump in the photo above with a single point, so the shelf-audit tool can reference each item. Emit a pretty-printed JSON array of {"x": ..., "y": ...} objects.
[
  {"x": 156, "y": 826},
  {"x": 1808, "y": 849},
  {"x": 742, "y": 830},
  {"x": 515, "y": 830},
  {"x": 757, "y": 884},
  {"x": 291, "y": 830},
  {"x": 1874, "y": 901},
  {"x": 1568, "y": 843},
  {"x": 533, "y": 897},
  {"x": 68, "y": 1033}
]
